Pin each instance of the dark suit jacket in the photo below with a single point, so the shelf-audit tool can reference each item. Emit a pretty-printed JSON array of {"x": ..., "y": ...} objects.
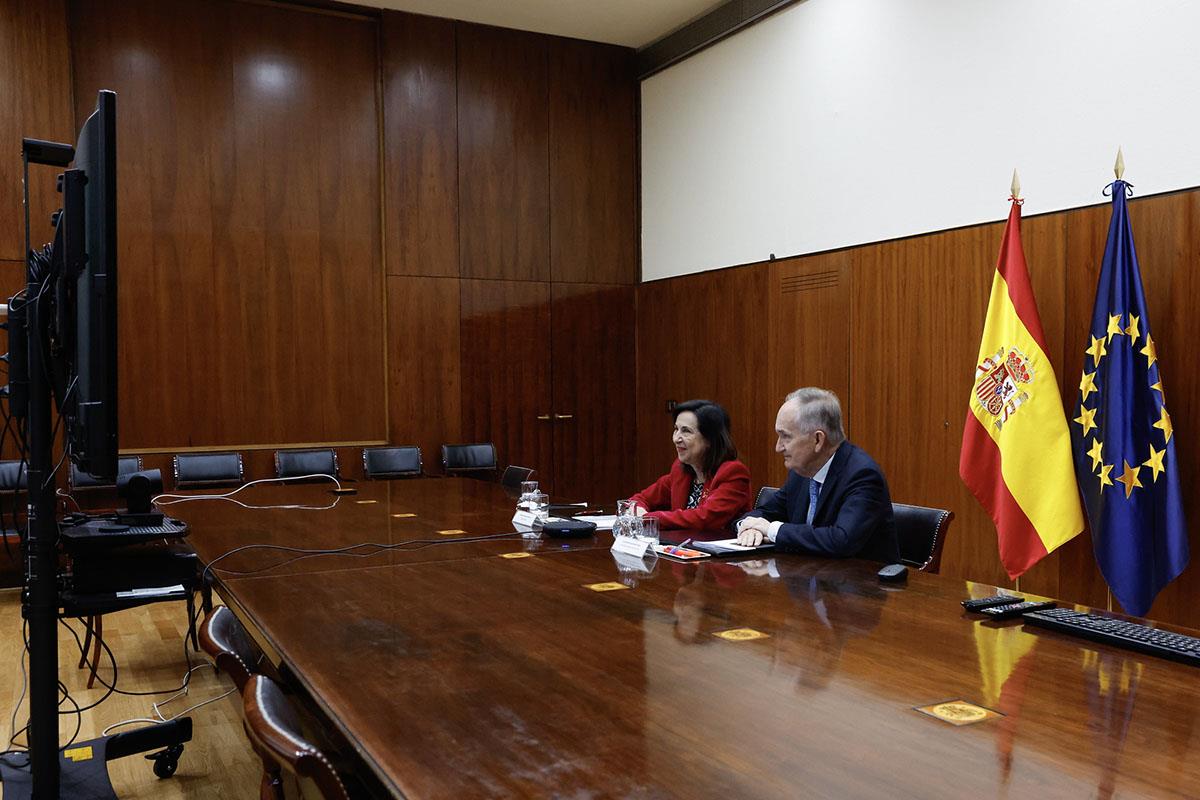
[{"x": 854, "y": 511}]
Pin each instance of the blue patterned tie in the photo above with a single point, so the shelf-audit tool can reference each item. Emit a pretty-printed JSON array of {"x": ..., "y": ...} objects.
[{"x": 814, "y": 489}]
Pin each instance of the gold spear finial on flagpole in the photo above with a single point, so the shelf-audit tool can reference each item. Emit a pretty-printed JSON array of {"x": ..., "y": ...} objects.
[
  {"x": 1016, "y": 186},
  {"x": 1119, "y": 167}
]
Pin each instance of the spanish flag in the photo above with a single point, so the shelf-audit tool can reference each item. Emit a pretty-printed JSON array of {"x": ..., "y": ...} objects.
[{"x": 1016, "y": 449}]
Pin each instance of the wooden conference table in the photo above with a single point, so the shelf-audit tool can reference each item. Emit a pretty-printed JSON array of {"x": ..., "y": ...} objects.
[{"x": 457, "y": 672}]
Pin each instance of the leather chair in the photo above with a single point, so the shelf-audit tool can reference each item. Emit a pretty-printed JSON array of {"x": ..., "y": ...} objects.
[
  {"x": 765, "y": 494},
  {"x": 514, "y": 476},
  {"x": 277, "y": 736},
  {"x": 13, "y": 476},
  {"x": 921, "y": 533},
  {"x": 195, "y": 470},
  {"x": 469, "y": 458},
  {"x": 297, "y": 463},
  {"x": 83, "y": 480},
  {"x": 391, "y": 462},
  {"x": 229, "y": 646}
]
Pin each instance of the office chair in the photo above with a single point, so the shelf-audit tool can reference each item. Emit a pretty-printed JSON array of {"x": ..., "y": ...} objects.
[
  {"x": 469, "y": 458},
  {"x": 229, "y": 646},
  {"x": 195, "y": 470},
  {"x": 98, "y": 577},
  {"x": 391, "y": 462},
  {"x": 921, "y": 533},
  {"x": 275, "y": 733},
  {"x": 514, "y": 476},
  {"x": 765, "y": 495},
  {"x": 295, "y": 463},
  {"x": 77, "y": 479},
  {"x": 13, "y": 476}
]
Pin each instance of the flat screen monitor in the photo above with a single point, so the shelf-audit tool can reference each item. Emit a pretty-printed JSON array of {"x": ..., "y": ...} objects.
[{"x": 87, "y": 390}]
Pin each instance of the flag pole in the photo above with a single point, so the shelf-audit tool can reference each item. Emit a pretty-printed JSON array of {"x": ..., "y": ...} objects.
[
  {"x": 1016, "y": 186},
  {"x": 1119, "y": 167}
]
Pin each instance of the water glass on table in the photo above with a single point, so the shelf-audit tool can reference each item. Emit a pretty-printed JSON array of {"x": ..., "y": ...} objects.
[
  {"x": 527, "y": 488},
  {"x": 648, "y": 530},
  {"x": 539, "y": 506},
  {"x": 626, "y": 511}
]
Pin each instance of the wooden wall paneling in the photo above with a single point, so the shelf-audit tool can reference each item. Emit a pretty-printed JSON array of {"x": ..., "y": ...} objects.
[
  {"x": 660, "y": 375},
  {"x": 504, "y": 205},
  {"x": 810, "y": 339},
  {"x": 346, "y": 287},
  {"x": 593, "y": 366},
  {"x": 505, "y": 354},
  {"x": 420, "y": 117},
  {"x": 593, "y": 162},
  {"x": 702, "y": 336},
  {"x": 249, "y": 226},
  {"x": 423, "y": 365},
  {"x": 35, "y": 93},
  {"x": 917, "y": 316},
  {"x": 155, "y": 61}
]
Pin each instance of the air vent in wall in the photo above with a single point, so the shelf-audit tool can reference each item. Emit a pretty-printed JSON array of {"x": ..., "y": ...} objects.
[{"x": 808, "y": 282}]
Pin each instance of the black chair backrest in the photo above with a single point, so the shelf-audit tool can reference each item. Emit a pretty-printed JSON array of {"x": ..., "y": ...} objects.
[
  {"x": 765, "y": 495},
  {"x": 921, "y": 533},
  {"x": 514, "y": 476},
  {"x": 391, "y": 462},
  {"x": 469, "y": 457},
  {"x": 229, "y": 646},
  {"x": 297, "y": 463},
  {"x": 208, "y": 469},
  {"x": 84, "y": 480},
  {"x": 276, "y": 734},
  {"x": 13, "y": 476}
]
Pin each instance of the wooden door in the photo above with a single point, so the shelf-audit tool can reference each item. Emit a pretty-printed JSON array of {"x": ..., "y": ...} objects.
[
  {"x": 594, "y": 385},
  {"x": 505, "y": 357}
]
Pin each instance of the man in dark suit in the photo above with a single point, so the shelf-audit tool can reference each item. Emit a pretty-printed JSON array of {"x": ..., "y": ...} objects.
[{"x": 835, "y": 501}]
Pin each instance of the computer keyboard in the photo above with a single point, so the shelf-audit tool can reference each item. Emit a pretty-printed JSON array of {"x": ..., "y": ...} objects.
[{"x": 1119, "y": 633}]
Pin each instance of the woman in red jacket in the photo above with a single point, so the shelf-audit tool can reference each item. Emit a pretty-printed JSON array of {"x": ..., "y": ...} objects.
[{"x": 707, "y": 487}]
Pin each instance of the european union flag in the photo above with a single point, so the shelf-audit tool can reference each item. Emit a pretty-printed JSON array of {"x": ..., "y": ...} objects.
[{"x": 1122, "y": 436}]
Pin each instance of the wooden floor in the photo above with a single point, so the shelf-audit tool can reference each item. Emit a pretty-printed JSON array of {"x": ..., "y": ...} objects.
[{"x": 148, "y": 645}]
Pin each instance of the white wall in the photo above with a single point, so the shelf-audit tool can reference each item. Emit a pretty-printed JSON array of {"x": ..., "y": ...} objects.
[{"x": 841, "y": 122}]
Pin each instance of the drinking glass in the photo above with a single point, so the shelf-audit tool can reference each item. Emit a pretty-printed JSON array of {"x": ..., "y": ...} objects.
[
  {"x": 625, "y": 513},
  {"x": 649, "y": 529},
  {"x": 527, "y": 488},
  {"x": 539, "y": 506}
]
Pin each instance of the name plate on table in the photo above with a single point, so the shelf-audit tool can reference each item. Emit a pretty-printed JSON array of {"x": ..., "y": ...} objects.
[
  {"x": 523, "y": 520},
  {"x": 630, "y": 546}
]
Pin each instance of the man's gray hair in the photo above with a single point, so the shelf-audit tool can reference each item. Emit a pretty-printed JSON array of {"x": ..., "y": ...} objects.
[{"x": 819, "y": 409}]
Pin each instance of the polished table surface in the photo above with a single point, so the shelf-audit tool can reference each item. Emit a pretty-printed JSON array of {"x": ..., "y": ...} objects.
[{"x": 457, "y": 672}]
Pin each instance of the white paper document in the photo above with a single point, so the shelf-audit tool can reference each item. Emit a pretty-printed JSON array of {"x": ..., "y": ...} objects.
[
  {"x": 603, "y": 522},
  {"x": 156, "y": 591}
]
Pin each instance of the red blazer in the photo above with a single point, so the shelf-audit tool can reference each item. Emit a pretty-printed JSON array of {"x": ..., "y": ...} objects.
[{"x": 727, "y": 496}]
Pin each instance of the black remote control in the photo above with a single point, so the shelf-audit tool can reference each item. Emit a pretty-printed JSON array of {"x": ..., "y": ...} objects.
[
  {"x": 988, "y": 602},
  {"x": 1016, "y": 609}
]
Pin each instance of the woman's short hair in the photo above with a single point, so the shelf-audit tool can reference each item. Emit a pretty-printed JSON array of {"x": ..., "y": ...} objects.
[{"x": 713, "y": 424}]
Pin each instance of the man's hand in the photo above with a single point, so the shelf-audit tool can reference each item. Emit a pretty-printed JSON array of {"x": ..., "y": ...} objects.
[{"x": 753, "y": 531}]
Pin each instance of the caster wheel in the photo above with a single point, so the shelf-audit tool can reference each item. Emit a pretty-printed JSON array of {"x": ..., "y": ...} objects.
[{"x": 166, "y": 761}]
